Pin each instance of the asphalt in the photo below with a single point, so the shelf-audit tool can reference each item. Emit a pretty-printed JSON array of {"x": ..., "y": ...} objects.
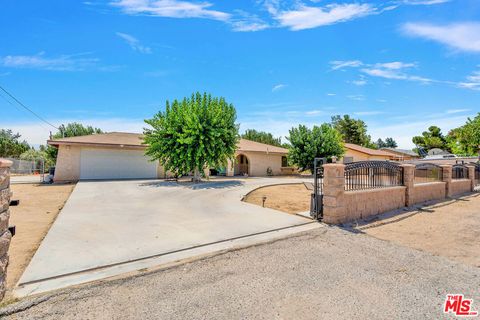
[
  {"x": 106, "y": 227},
  {"x": 326, "y": 273}
]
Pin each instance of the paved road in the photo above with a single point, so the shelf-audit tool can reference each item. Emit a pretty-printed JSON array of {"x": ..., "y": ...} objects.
[
  {"x": 107, "y": 223},
  {"x": 327, "y": 273}
]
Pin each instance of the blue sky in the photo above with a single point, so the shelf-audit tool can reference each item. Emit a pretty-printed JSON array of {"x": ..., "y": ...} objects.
[{"x": 399, "y": 65}]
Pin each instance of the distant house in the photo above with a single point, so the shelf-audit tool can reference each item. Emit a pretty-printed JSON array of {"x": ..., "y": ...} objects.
[
  {"x": 402, "y": 154},
  {"x": 354, "y": 153},
  {"x": 120, "y": 155}
]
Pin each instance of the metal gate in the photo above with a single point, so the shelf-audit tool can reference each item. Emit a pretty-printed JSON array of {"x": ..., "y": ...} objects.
[
  {"x": 316, "y": 203},
  {"x": 477, "y": 174}
]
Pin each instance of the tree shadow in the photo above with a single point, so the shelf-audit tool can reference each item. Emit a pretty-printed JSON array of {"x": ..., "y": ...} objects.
[{"x": 194, "y": 186}]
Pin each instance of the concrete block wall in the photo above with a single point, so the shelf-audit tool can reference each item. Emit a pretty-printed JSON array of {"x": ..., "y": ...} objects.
[
  {"x": 5, "y": 236},
  {"x": 341, "y": 206}
]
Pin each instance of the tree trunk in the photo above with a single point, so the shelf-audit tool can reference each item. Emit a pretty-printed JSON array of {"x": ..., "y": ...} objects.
[{"x": 196, "y": 176}]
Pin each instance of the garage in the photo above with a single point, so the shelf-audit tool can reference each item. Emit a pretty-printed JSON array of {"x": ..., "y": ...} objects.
[{"x": 98, "y": 163}]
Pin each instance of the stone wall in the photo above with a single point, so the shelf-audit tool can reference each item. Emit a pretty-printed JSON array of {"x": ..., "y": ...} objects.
[
  {"x": 460, "y": 186},
  {"x": 5, "y": 235},
  {"x": 427, "y": 192},
  {"x": 341, "y": 206}
]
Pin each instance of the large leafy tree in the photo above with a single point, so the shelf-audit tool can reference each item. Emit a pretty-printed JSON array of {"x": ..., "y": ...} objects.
[
  {"x": 352, "y": 130},
  {"x": 319, "y": 142},
  {"x": 262, "y": 137},
  {"x": 432, "y": 138},
  {"x": 11, "y": 145},
  {"x": 466, "y": 139},
  {"x": 193, "y": 134},
  {"x": 73, "y": 129},
  {"x": 388, "y": 143}
]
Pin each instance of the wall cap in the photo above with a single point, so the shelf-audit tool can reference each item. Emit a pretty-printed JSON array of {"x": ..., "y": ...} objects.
[{"x": 4, "y": 163}]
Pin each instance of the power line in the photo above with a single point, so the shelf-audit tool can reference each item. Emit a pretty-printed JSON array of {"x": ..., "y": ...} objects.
[{"x": 27, "y": 108}]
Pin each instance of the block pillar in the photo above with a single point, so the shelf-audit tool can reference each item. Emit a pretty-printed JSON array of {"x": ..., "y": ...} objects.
[
  {"x": 334, "y": 193},
  {"x": 471, "y": 176},
  {"x": 409, "y": 182},
  {"x": 5, "y": 235},
  {"x": 230, "y": 170},
  {"x": 447, "y": 177}
]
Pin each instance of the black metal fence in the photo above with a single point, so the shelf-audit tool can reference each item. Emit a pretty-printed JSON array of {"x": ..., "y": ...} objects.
[
  {"x": 477, "y": 174},
  {"x": 459, "y": 171},
  {"x": 372, "y": 174},
  {"x": 427, "y": 172}
]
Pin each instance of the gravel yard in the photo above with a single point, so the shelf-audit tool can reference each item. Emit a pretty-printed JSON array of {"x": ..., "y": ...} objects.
[
  {"x": 327, "y": 273},
  {"x": 290, "y": 198}
]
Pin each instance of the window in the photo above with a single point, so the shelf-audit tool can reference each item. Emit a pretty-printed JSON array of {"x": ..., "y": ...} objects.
[{"x": 284, "y": 161}]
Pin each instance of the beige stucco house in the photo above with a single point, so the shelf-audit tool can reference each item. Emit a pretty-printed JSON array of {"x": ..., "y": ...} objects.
[
  {"x": 354, "y": 153},
  {"x": 120, "y": 155}
]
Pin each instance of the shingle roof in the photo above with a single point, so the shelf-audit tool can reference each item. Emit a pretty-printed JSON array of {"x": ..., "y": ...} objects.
[
  {"x": 401, "y": 151},
  {"x": 135, "y": 140},
  {"x": 368, "y": 151}
]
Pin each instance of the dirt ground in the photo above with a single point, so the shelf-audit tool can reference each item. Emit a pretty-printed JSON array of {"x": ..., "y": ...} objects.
[
  {"x": 38, "y": 208},
  {"x": 290, "y": 198},
  {"x": 450, "y": 229}
]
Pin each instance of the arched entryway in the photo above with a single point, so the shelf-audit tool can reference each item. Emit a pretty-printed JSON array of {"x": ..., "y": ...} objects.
[{"x": 242, "y": 165}]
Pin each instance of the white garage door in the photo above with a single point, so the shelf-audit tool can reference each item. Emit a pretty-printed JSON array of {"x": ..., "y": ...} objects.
[{"x": 115, "y": 164}]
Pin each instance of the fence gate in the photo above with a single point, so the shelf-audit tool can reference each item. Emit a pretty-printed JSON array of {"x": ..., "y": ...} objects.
[
  {"x": 477, "y": 174},
  {"x": 316, "y": 203}
]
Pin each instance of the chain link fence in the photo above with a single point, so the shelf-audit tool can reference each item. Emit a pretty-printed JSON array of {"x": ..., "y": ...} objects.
[{"x": 27, "y": 171}]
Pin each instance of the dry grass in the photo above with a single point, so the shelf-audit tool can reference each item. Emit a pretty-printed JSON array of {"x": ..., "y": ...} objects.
[
  {"x": 39, "y": 206},
  {"x": 290, "y": 198}
]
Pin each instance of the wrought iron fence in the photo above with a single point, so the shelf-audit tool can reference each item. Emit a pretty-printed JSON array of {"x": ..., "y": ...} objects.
[
  {"x": 459, "y": 171},
  {"x": 477, "y": 174},
  {"x": 427, "y": 172},
  {"x": 372, "y": 174}
]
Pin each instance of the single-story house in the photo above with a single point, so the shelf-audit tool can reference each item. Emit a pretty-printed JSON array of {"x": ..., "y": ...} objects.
[
  {"x": 402, "y": 154},
  {"x": 354, "y": 153},
  {"x": 120, "y": 155}
]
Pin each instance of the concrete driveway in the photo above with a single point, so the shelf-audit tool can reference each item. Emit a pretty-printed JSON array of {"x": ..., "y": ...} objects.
[{"x": 112, "y": 227}]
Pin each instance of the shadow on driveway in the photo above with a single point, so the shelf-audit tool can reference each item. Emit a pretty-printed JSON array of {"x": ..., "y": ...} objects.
[{"x": 195, "y": 186}]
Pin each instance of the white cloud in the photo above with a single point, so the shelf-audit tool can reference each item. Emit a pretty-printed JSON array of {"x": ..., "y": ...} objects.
[
  {"x": 331, "y": 94},
  {"x": 367, "y": 113},
  {"x": 464, "y": 36},
  {"x": 472, "y": 82},
  {"x": 171, "y": 9},
  {"x": 278, "y": 87},
  {"x": 452, "y": 111},
  {"x": 134, "y": 43},
  {"x": 76, "y": 62},
  {"x": 424, "y": 2},
  {"x": 396, "y": 65},
  {"x": 340, "y": 64},
  {"x": 357, "y": 97},
  {"x": 305, "y": 17}
]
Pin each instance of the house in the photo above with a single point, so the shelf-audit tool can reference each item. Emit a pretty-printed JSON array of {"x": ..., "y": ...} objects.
[
  {"x": 120, "y": 155},
  {"x": 402, "y": 154},
  {"x": 354, "y": 153}
]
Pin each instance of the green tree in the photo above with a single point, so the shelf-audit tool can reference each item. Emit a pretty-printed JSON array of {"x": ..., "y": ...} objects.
[
  {"x": 39, "y": 156},
  {"x": 262, "y": 137},
  {"x": 388, "y": 143},
  {"x": 193, "y": 134},
  {"x": 465, "y": 140},
  {"x": 73, "y": 129},
  {"x": 10, "y": 144},
  {"x": 319, "y": 142},
  {"x": 433, "y": 138},
  {"x": 352, "y": 130}
]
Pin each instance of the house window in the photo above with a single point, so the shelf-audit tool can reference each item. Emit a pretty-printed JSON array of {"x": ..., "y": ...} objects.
[
  {"x": 347, "y": 159},
  {"x": 284, "y": 161}
]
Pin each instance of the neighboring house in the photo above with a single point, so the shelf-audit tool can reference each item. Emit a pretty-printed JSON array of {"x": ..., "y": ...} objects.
[
  {"x": 354, "y": 153},
  {"x": 402, "y": 154},
  {"x": 120, "y": 155}
]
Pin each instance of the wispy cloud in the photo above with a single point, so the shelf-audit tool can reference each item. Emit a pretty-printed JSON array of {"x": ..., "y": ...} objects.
[
  {"x": 76, "y": 62},
  {"x": 464, "y": 36},
  {"x": 307, "y": 17},
  {"x": 357, "y": 97},
  {"x": 453, "y": 111},
  {"x": 367, "y": 113},
  {"x": 171, "y": 9},
  {"x": 279, "y": 86},
  {"x": 424, "y": 2},
  {"x": 331, "y": 94},
  {"x": 134, "y": 43}
]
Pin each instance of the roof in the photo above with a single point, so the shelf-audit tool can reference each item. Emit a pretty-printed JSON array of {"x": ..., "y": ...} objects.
[
  {"x": 107, "y": 139},
  {"x": 248, "y": 145},
  {"x": 401, "y": 151},
  {"x": 372, "y": 152},
  {"x": 136, "y": 139}
]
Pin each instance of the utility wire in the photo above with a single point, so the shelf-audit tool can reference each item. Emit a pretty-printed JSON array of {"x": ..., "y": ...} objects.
[{"x": 27, "y": 108}]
